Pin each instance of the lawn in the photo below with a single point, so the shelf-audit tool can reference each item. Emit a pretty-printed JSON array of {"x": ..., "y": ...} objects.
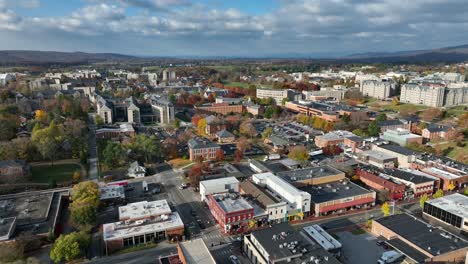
[
  {"x": 60, "y": 173},
  {"x": 178, "y": 163},
  {"x": 456, "y": 111},
  {"x": 400, "y": 107},
  {"x": 237, "y": 84}
]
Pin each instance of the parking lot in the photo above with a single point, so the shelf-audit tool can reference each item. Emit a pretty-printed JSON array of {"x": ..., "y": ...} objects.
[{"x": 359, "y": 248}]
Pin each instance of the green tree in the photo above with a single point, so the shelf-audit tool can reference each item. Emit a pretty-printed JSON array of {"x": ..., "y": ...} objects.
[
  {"x": 98, "y": 120},
  {"x": 439, "y": 193},
  {"x": 465, "y": 192},
  {"x": 381, "y": 117},
  {"x": 385, "y": 209},
  {"x": 145, "y": 146},
  {"x": 299, "y": 153},
  {"x": 267, "y": 132},
  {"x": 373, "y": 129},
  {"x": 69, "y": 247},
  {"x": 423, "y": 199},
  {"x": 113, "y": 155},
  {"x": 268, "y": 112},
  {"x": 85, "y": 201},
  {"x": 47, "y": 140},
  {"x": 177, "y": 123}
]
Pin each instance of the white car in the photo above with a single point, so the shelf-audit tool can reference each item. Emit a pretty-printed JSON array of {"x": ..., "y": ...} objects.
[{"x": 234, "y": 259}]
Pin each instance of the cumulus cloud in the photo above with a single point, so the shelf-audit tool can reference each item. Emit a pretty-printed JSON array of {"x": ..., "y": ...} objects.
[{"x": 295, "y": 26}]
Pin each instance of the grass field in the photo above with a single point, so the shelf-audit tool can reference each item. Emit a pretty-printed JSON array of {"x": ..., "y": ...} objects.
[
  {"x": 456, "y": 111},
  {"x": 238, "y": 84},
  {"x": 178, "y": 163},
  {"x": 60, "y": 173}
]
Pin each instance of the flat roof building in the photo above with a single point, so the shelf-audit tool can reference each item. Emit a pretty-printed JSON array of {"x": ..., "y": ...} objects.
[
  {"x": 312, "y": 175},
  {"x": 222, "y": 185},
  {"x": 282, "y": 244},
  {"x": 194, "y": 252},
  {"x": 420, "y": 241},
  {"x": 231, "y": 211},
  {"x": 339, "y": 196},
  {"x": 142, "y": 223},
  {"x": 449, "y": 210},
  {"x": 298, "y": 201},
  {"x": 401, "y": 137},
  {"x": 325, "y": 240}
]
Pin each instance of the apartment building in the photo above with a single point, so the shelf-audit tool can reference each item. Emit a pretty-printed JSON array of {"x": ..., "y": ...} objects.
[
  {"x": 202, "y": 148},
  {"x": 381, "y": 89},
  {"x": 277, "y": 94}
]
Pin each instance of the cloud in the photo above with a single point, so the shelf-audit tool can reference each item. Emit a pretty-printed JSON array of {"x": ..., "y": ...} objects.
[{"x": 298, "y": 26}]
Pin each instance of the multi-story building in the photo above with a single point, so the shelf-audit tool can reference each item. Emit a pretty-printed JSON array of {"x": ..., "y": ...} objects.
[
  {"x": 401, "y": 137},
  {"x": 118, "y": 110},
  {"x": 418, "y": 183},
  {"x": 5, "y": 78},
  {"x": 338, "y": 197},
  {"x": 275, "y": 209},
  {"x": 378, "y": 181},
  {"x": 164, "y": 110},
  {"x": 324, "y": 94},
  {"x": 232, "y": 212},
  {"x": 378, "y": 159},
  {"x": 298, "y": 201},
  {"x": 202, "y": 148},
  {"x": 221, "y": 108},
  {"x": 332, "y": 138},
  {"x": 141, "y": 223},
  {"x": 222, "y": 185},
  {"x": 405, "y": 156},
  {"x": 423, "y": 94},
  {"x": 277, "y": 94},
  {"x": 381, "y": 89},
  {"x": 116, "y": 133},
  {"x": 434, "y": 95},
  {"x": 435, "y": 132},
  {"x": 450, "y": 211},
  {"x": 419, "y": 241},
  {"x": 327, "y": 111},
  {"x": 393, "y": 124},
  {"x": 312, "y": 176}
]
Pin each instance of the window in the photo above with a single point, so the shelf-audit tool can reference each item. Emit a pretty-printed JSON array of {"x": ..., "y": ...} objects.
[
  {"x": 127, "y": 242},
  {"x": 139, "y": 240}
]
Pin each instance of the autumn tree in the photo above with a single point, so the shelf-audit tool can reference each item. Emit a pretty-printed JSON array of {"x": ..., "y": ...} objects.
[
  {"x": 84, "y": 203},
  {"x": 76, "y": 176},
  {"x": 238, "y": 155},
  {"x": 40, "y": 116},
  {"x": 423, "y": 199},
  {"x": 201, "y": 126},
  {"x": 439, "y": 193},
  {"x": 248, "y": 129},
  {"x": 385, "y": 209},
  {"x": 451, "y": 186},
  {"x": 299, "y": 153},
  {"x": 267, "y": 132},
  {"x": 195, "y": 173},
  {"x": 243, "y": 144}
]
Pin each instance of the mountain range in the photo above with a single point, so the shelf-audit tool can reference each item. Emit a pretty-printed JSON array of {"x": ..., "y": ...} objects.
[{"x": 28, "y": 57}]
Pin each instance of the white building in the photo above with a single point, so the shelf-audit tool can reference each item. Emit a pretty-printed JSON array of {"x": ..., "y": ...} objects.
[
  {"x": 136, "y": 170},
  {"x": 449, "y": 210},
  {"x": 5, "y": 78},
  {"x": 277, "y": 94},
  {"x": 164, "y": 110},
  {"x": 382, "y": 89},
  {"x": 298, "y": 201},
  {"x": 223, "y": 185},
  {"x": 423, "y": 94}
]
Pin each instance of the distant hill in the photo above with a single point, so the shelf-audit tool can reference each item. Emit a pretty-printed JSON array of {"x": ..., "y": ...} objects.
[
  {"x": 448, "y": 54},
  {"x": 29, "y": 57}
]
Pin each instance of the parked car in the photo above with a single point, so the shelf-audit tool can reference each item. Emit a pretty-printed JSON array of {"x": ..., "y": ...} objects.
[{"x": 234, "y": 259}]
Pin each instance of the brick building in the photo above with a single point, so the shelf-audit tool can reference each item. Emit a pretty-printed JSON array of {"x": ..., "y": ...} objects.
[
  {"x": 221, "y": 108},
  {"x": 231, "y": 211},
  {"x": 202, "y": 148},
  {"x": 372, "y": 178}
]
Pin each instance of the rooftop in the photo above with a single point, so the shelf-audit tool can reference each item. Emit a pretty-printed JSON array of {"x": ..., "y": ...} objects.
[
  {"x": 424, "y": 236},
  {"x": 201, "y": 143},
  {"x": 224, "y": 134},
  {"x": 195, "y": 251},
  {"x": 308, "y": 173},
  {"x": 377, "y": 155},
  {"x": 144, "y": 209},
  {"x": 123, "y": 229},
  {"x": 334, "y": 191},
  {"x": 7, "y": 227},
  {"x": 112, "y": 192},
  {"x": 27, "y": 208},
  {"x": 392, "y": 122},
  {"x": 409, "y": 175},
  {"x": 257, "y": 193},
  {"x": 209, "y": 184},
  {"x": 456, "y": 204},
  {"x": 320, "y": 236},
  {"x": 232, "y": 202},
  {"x": 399, "y": 149},
  {"x": 337, "y": 135}
]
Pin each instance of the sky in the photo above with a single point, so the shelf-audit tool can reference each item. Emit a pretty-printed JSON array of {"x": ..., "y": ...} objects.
[{"x": 246, "y": 28}]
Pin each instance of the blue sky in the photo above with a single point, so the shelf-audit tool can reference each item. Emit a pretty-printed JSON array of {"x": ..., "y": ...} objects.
[{"x": 232, "y": 27}]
